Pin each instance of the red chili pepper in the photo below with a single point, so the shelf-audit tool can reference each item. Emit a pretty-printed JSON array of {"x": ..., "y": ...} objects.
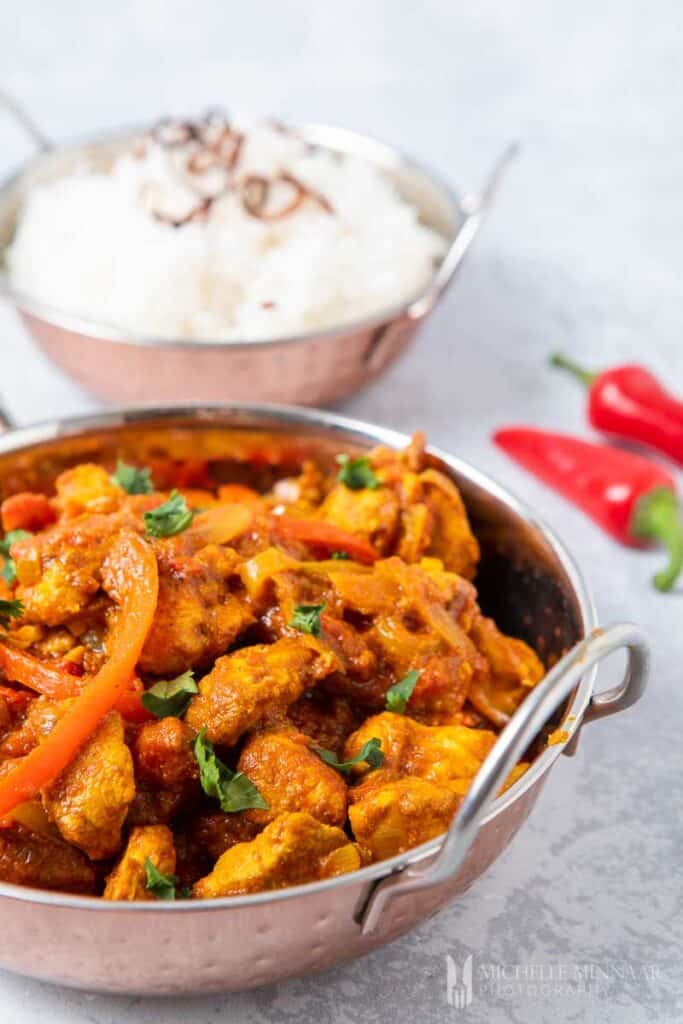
[
  {"x": 628, "y": 401},
  {"x": 632, "y": 498}
]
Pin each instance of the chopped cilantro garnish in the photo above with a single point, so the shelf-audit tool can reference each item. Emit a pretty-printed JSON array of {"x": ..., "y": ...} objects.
[
  {"x": 10, "y": 610},
  {"x": 357, "y": 474},
  {"x": 398, "y": 695},
  {"x": 233, "y": 790},
  {"x": 132, "y": 479},
  {"x": 160, "y": 885},
  {"x": 370, "y": 753},
  {"x": 170, "y": 518},
  {"x": 170, "y": 697},
  {"x": 306, "y": 617},
  {"x": 9, "y": 572}
]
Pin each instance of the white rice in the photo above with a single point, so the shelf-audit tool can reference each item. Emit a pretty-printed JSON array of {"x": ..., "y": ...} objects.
[{"x": 89, "y": 244}]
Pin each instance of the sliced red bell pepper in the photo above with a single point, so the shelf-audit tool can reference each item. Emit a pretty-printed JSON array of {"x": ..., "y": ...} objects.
[
  {"x": 137, "y": 585},
  {"x": 20, "y": 667},
  {"x": 58, "y": 684},
  {"x": 632, "y": 498},
  {"x": 316, "y": 533}
]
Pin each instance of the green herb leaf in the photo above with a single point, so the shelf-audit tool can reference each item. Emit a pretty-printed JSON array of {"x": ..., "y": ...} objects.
[
  {"x": 132, "y": 479},
  {"x": 370, "y": 753},
  {"x": 398, "y": 695},
  {"x": 10, "y": 538},
  {"x": 10, "y": 610},
  {"x": 9, "y": 572},
  {"x": 160, "y": 885},
  {"x": 342, "y": 556},
  {"x": 170, "y": 697},
  {"x": 233, "y": 790},
  {"x": 357, "y": 474},
  {"x": 170, "y": 518},
  {"x": 306, "y": 617}
]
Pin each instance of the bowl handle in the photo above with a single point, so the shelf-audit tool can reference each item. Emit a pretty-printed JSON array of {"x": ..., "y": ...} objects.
[
  {"x": 523, "y": 727},
  {"x": 41, "y": 141},
  {"x": 473, "y": 208}
]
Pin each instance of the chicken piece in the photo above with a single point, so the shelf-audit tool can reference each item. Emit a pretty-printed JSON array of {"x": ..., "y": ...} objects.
[
  {"x": 432, "y": 517},
  {"x": 206, "y": 838},
  {"x": 457, "y": 594},
  {"x": 214, "y": 832},
  {"x": 513, "y": 669},
  {"x": 197, "y": 618},
  {"x": 256, "y": 684},
  {"x": 434, "y": 522},
  {"x": 59, "y": 570},
  {"x": 291, "y": 777},
  {"x": 128, "y": 880},
  {"x": 325, "y": 719},
  {"x": 442, "y": 688},
  {"x": 163, "y": 757},
  {"x": 291, "y": 588},
  {"x": 413, "y": 616},
  {"x": 87, "y": 488},
  {"x": 201, "y": 841},
  {"x": 445, "y": 675},
  {"x": 451, "y": 539},
  {"x": 293, "y": 849},
  {"x": 392, "y": 818},
  {"x": 89, "y": 801},
  {"x": 393, "y": 586},
  {"x": 39, "y": 720},
  {"x": 350, "y": 647},
  {"x": 151, "y": 806},
  {"x": 166, "y": 771},
  {"x": 43, "y": 861},
  {"x": 417, "y": 523},
  {"x": 371, "y": 514},
  {"x": 448, "y": 755}
]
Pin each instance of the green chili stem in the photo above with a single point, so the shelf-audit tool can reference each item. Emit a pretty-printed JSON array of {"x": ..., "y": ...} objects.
[
  {"x": 584, "y": 376},
  {"x": 657, "y": 516}
]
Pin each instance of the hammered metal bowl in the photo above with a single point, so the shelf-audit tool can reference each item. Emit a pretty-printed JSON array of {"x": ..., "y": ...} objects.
[{"x": 527, "y": 580}]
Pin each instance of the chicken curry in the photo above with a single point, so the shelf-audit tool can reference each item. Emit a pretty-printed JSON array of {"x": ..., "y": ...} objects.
[{"x": 211, "y": 689}]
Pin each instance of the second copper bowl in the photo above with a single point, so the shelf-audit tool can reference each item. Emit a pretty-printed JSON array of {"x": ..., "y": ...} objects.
[{"x": 312, "y": 368}]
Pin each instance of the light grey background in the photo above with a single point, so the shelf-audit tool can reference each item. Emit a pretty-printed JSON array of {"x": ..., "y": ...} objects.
[{"x": 583, "y": 252}]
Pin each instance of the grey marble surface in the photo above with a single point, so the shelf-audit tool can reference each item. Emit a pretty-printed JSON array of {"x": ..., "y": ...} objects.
[{"x": 583, "y": 252}]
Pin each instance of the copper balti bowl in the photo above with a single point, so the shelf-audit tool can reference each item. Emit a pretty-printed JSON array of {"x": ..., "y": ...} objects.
[
  {"x": 527, "y": 580},
  {"x": 309, "y": 368}
]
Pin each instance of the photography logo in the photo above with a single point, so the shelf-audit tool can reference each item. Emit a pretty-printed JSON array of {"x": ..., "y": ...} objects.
[{"x": 459, "y": 983}]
